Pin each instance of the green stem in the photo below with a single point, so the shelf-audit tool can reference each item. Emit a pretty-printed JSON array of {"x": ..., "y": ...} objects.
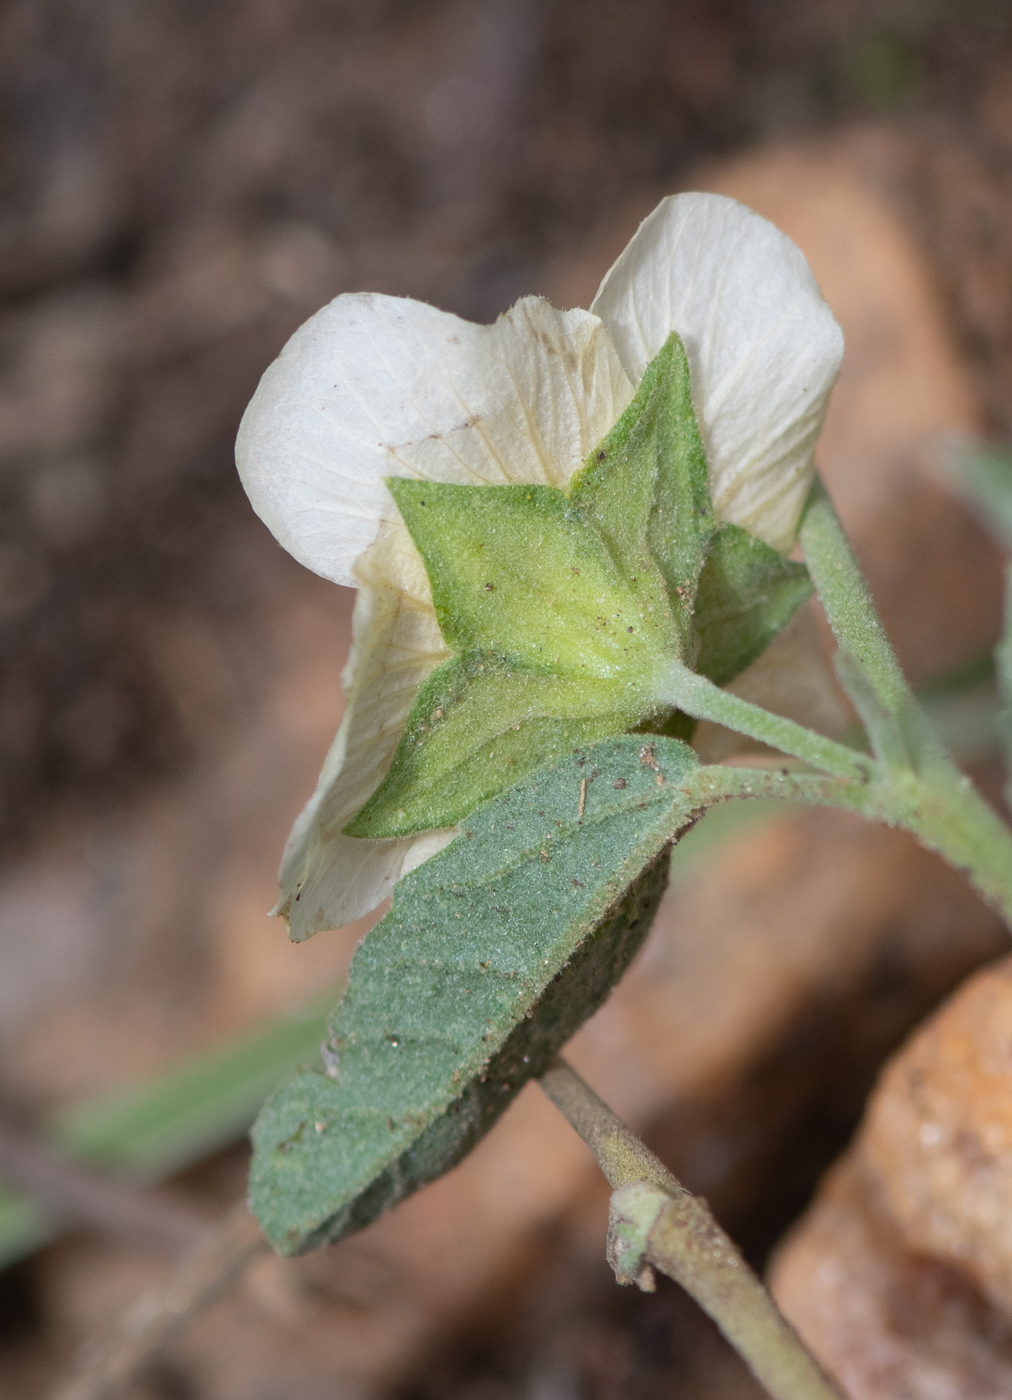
[
  {"x": 951, "y": 818},
  {"x": 696, "y": 696},
  {"x": 655, "y": 1221},
  {"x": 844, "y": 593},
  {"x": 900, "y": 732}
]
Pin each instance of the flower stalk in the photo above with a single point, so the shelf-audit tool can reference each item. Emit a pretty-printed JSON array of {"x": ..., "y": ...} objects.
[{"x": 696, "y": 696}]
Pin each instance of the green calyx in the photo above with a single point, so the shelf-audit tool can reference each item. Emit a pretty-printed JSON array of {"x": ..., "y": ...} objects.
[{"x": 561, "y": 608}]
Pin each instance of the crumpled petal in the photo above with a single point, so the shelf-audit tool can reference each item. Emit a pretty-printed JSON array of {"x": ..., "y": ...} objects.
[
  {"x": 328, "y": 879},
  {"x": 375, "y": 386},
  {"x": 763, "y": 347}
]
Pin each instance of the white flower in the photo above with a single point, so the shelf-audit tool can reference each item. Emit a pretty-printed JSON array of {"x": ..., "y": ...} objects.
[{"x": 375, "y": 386}]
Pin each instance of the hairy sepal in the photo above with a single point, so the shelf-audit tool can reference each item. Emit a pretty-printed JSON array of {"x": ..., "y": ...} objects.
[
  {"x": 560, "y": 608},
  {"x": 747, "y": 593}
]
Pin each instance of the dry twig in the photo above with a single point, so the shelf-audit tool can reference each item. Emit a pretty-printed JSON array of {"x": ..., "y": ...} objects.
[{"x": 202, "y": 1276}]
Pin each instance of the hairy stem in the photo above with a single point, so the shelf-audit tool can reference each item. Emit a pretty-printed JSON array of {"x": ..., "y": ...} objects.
[
  {"x": 700, "y": 698},
  {"x": 950, "y": 818},
  {"x": 656, "y": 1222},
  {"x": 844, "y": 593}
]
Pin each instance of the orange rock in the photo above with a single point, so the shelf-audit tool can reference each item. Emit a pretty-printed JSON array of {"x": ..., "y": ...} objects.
[
  {"x": 900, "y": 1275},
  {"x": 889, "y": 1324},
  {"x": 938, "y": 1135}
]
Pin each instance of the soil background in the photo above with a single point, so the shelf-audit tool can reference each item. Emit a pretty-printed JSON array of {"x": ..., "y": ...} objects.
[{"x": 180, "y": 187}]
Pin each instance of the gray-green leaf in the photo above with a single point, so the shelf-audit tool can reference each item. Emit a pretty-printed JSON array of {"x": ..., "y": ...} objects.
[{"x": 494, "y": 953}]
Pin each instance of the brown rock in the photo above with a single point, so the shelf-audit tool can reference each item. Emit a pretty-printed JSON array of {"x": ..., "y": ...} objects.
[
  {"x": 900, "y": 1276},
  {"x": 938, "y": 1135},
  {"x": 889, "y": 1324}
]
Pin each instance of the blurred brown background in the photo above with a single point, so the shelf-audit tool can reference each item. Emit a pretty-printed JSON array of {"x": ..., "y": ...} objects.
[{"x": 180, "y": 186}]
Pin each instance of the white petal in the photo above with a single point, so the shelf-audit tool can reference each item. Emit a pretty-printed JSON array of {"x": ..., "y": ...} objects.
[
  {"x": 763, "y": 348},
  {"x": 375, "y": 386},
  {"x": 328, "y": 879}
]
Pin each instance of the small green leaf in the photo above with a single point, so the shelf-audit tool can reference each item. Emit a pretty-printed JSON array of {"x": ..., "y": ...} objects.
[
  {"x": 747, "y": 593},
  {"x": 494, "y": 953}
]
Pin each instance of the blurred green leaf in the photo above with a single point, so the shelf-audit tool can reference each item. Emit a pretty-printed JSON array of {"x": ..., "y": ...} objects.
[
  {"x": 881, "y": 71},
  {"x": 984, "y": 476},
  {"x": 178, "y": 1117},
  {"x": 168, "y": 1122},
  {"x": 24, "y": 1226}
]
